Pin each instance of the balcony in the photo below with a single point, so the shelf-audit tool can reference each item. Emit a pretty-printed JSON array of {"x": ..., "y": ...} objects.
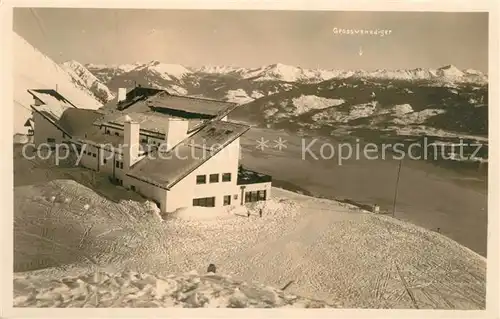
[{"x": 246, "y": 176}]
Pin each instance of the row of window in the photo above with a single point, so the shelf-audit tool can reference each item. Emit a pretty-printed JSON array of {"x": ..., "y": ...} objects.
[
  {"x": 118, "y": 164},
  {"x": 252, "y": 196},
  {"x": 89, "y": 153},
  {"x": 213, "y": 178},
  {"x": 210, "y": 201},
  {"x": 143, "y": 140},
  {"x": 108, "y": 132}
]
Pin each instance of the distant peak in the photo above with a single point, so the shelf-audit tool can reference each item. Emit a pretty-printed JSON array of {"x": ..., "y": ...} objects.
[
  {"x": 280, "y": 65},
  {"x": 72, "y": 62},
  {"x": 154, "y": 62}
]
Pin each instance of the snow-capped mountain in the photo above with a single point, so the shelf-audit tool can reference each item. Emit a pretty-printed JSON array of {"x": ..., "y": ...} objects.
[
  {"x": 106, "y": 72},
  {"x": 283, "y": 72},
  {"x": 218, "y": 69},
  {"x": 287, "y": 73},
  {"x": 84, "y": 77},
  {"x": 165, "y": 70},
  {"x": 154, "y": 74},
  {"x": 33, "y": 70},
  {"x": 357, "y": 103}
]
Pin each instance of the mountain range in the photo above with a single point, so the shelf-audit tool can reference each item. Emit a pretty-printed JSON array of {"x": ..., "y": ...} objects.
[
  {"x": 433, "y": 100},
  {"x": 418, "y": 101},
  {"x": 287, "y": 73}
]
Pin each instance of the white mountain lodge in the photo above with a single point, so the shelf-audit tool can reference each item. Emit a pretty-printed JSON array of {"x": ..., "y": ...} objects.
[{"x": 174, "y": 150}]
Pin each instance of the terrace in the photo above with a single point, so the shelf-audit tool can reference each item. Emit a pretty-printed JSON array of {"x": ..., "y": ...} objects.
[{"x": 246, "y": 177}]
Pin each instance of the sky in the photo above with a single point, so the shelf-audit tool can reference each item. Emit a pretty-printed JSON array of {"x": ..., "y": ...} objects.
[{"x": 256, "y": 38}]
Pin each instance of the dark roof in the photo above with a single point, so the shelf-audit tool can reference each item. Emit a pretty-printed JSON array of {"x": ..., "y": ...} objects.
[
  {"x": 166, "y": 169},
  {"x": 150, "y": 121},
  {"x": 246, "y": 176},
  {"x": 78, "y": 121},
  {"x": 163, "y": 100},
  {"x": 142, "y": 91},
  {"x": 79, "y": 124}
]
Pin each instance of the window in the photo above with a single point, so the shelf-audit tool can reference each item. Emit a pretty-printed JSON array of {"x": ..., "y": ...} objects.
[
  {"x": 121, "y": 165},
  {"x": 204, "y": 202},
  {"x": 227, "y": 200},
  {"x": 108, "y": 132},
  {"x": 226, "y": 177},
  {"x": 262, "y": 195},
  {"x": 104, "y": 160},
  {"x": 144, "y": 140},
  {"x": 94, "y": 155},
  {"x": 235, "y": 196},
  {"x": 255, "y": 196},
  {"x": 132, "y": 188},
  {"x": 201, "y": 179},
  {"x": 214, "y": 178},
  {"x": 117, "y": 134},
  {"x": 117, "y": 164},
  {"x": 51, "y": 140}
]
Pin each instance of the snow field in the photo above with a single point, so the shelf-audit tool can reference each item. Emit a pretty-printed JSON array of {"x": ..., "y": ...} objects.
[
  {"x": 131, "y": 289},
  {"x": 330, "y": 251}
]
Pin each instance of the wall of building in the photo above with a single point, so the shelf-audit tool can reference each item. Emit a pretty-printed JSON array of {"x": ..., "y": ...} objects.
[
  {"x": 89, "y": 158},
  {"x": 45, "y": 130},
  {"x": 103, "y": 160},
  {"x": 226, "y": 161},
  {"x": 148, "y": 191},
  {"x": 255, "y": 187}
]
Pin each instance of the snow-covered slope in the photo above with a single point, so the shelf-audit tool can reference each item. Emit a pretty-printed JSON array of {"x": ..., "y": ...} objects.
[
  {"x": 84, "y": 77},
  {"x": 34, "y": 70},
  {"x": 131, "y": 289},
  {"x": 315, "y": 243}
]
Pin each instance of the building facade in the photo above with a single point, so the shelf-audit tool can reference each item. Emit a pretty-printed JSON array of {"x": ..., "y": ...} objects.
[{"x": 169, "y": 149}]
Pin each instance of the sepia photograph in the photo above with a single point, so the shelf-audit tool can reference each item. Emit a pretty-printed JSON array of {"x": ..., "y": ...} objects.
[{"x": 181, "y": 158}]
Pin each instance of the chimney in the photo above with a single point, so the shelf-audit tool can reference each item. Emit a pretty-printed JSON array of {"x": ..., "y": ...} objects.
[
  {"x": 175, "y": 131},
  {"x": 131, "y": 141},
  {"x": 122, "y": 94}
]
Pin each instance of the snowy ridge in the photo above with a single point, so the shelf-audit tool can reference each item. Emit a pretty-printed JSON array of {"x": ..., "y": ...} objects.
[
  {"x": 131, "y": 289},
  {"x": 167, "y": 71},
  {"x": 289, "y": 73},
  {"x": 218, "y": 69},
  {"x": 34, "y": 70},
  {"x": 81, "y": 75},
  {"x": 120, "y": 67},
  {"x": 320, "y": 235}
]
